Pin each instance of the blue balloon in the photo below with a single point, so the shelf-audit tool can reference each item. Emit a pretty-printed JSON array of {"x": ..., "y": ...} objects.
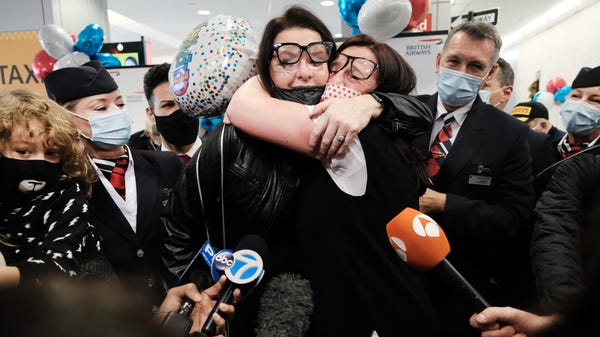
[
  {"x": 107, "y": 60},
  {"x": 90, "y": 40},
  {"x": 561, "y": 94},
  {"x": 535, "y": 97},
  {"x": 210, "y": 123},
  {"x": 349, "y": 11}
]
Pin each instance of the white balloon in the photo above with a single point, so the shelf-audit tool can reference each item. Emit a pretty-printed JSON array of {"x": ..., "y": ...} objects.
[
  {"x": 383, "y": 19},
  {"x": 74, "y": 59},
  {"x": 55, "y": 41},
  {"x": 547, "y": 99}
]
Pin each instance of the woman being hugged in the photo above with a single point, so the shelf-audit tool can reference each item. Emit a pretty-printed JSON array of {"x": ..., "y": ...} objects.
[
  {"x": 346, "y": 202},
  {"x": 43, "y": 191}
]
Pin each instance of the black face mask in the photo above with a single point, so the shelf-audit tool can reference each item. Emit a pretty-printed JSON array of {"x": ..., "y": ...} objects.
[
  {"x": 25, "y": 179},
  {"x": 306, "y": 95},
  {"x": 178, "y": 128}
]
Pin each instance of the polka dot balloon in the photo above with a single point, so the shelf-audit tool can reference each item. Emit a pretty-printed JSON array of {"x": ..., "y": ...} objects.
[{"x": 211, "y": 63}]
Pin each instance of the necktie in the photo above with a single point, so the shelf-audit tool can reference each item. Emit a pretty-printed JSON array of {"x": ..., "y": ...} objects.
[
  {"x": 117, "y": 176},
  {"x": 184, "y": 159},
  {"x": 441, "y": 146}
]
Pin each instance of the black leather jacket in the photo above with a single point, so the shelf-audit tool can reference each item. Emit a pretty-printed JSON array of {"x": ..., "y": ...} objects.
[
  {"x": 259, "y": 183},
  {"x": 563, "y": 221}
]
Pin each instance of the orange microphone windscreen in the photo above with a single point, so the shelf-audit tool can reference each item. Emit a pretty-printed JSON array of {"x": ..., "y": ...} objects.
[{"x": 417, "y": 239}]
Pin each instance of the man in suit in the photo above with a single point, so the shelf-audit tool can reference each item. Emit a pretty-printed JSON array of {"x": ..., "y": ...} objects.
[
  {"x": 132, "y": 186},
  {"x": 497, "y": 92},
  {"x": 498, "y": 89},
  {"x": 178, "y": 131},
  {"x": 535, "y": 115},
  {"x": 481, "y": 190}
]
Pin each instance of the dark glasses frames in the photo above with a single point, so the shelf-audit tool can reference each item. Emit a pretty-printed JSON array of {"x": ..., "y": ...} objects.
[
  {"x": 290, "y": 53},
  {"x": 360, "y": 68}
]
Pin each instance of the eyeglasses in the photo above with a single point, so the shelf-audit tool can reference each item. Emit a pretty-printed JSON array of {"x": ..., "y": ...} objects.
[
  {"x": 290, "y": 53},
  {"x": 360, "y": 67}
]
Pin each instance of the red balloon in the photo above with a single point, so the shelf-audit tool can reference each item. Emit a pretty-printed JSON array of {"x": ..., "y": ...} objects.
[
  {"x": 73, "y": 37},
  {"x": 555, "y": 84},
  {"x": 42, "y": 64},
  {"x": 420, "y": 8}
]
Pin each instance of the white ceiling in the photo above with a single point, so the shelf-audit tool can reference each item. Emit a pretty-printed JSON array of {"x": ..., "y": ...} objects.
[{"x": 172, "y": 20}]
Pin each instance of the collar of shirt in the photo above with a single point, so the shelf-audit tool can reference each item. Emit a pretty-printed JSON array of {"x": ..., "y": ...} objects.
[
  {"x": 459, "y": 117},
  {"x": 191, "y": 151},
  {"x": 128, "y": 206}
]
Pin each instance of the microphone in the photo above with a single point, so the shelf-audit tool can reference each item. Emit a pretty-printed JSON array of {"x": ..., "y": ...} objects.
[
  {"x": 285, "y": 307},
  {"x": 246, "y": 269},
  {"x": 423, "y": 245}
]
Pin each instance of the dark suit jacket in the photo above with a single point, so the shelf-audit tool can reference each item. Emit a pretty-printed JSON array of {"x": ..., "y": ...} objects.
[
  {"x": 135, "y": 256},
  {"x": 489, "y": 200},
  {"x": 140, "y": 141}
]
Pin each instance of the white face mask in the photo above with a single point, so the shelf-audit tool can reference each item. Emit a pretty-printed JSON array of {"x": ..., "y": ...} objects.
[
  {"x": 486, "y": 95},
  {"x": 109, "y": 130},
  {"x": 333, "y": 90}
]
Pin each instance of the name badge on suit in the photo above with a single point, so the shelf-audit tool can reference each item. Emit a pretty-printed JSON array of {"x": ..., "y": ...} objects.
[{"x": 482, "y": 176}]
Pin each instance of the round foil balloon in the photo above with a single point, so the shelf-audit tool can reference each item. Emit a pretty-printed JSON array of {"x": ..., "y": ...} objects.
[
  {"x": 74, "y": 59},
  {"x": 349, "y": 13},
  {"x": 555, "y": 84},
  {"x": 42, "y": 64},
  {"x": 211, "y": 63},
  {"x": 420, "y": 8},
  {"x": 90, "y": 40},
  {"x": 547, "y": 99},
  {"x": 383, "y": 19},
  {"x": 107, "y": 60},
  {"x": 55, "y": 41}
]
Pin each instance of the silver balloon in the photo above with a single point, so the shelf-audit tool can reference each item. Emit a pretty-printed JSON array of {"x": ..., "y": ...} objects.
[
  {"x": 55, "y": 41},
  {"x": 73, "y": 59},
  {"x": 383, "y": 19}
]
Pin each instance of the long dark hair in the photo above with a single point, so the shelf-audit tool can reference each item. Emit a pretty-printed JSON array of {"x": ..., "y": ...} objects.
[
  {"x": 295, "y": 16},
  {"x": 395, "y": 76}
]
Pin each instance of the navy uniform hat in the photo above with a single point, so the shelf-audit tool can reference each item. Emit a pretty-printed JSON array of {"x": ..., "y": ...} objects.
[
  {"x": 527, "y": 111},
  {"x": 68, "y": 84},
  {"x": 587, "y": 77}
]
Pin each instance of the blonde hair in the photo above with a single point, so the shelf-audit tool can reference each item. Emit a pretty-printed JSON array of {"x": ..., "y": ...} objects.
[{"x": 18, "y": 107}]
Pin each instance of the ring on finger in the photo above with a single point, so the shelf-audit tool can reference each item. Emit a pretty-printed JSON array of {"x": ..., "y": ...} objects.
[{"x": 340, "y": 138}]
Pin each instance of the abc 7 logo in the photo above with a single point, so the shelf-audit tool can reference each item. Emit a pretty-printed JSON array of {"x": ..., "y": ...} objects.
[
  {"x": 223, "y": 260},
  {"x": 247, "y": 267}
]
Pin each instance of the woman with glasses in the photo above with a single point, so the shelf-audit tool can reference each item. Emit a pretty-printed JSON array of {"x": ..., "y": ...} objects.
[
  {"x": 238, "y": 185},
  {"x": 361, "y": 287}
]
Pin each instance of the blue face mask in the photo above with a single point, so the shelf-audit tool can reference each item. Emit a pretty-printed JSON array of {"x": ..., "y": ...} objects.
[
  {"x": 579, "y": 118},
  {"x": 109, "y": 130},
  {"x": 457, "y": 88}
]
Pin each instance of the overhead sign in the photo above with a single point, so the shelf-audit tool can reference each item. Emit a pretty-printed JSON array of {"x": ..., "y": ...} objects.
[{"x": 489, "y": 16}]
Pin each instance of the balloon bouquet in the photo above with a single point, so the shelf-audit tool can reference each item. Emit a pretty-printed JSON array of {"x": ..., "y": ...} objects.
[
  {"x": 61, "y": 50},
  {"x": 383, "y": 19},
  {"x": 555, "y": 94},
  {"x": 211, "y": 63}
]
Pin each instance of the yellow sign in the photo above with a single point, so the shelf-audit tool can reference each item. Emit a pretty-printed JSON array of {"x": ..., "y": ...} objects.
[
  {"x": 521, "y": 110},
  {"x": 18, "y": 50}
]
